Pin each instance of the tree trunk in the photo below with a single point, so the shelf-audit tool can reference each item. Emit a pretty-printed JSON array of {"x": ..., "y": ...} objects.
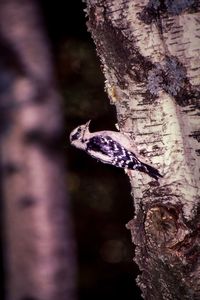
[
  {"x": 150, "y": 57},
  {"x": 39, "y": 247}
]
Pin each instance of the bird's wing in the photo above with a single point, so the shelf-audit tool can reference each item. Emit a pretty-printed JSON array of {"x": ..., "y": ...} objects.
[{"x": 119, "y": 156}]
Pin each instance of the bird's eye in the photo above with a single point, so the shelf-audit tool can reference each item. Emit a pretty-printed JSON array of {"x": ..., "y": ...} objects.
[{"x": 76, "y": 135}]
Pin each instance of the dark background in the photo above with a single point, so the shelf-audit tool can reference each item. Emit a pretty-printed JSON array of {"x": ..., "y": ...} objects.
[{"x": 100, "y": 194}]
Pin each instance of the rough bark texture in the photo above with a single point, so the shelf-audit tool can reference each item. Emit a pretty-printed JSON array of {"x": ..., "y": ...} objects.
[
  {"x": 39, "y": 247},
  {"x": 150, "y": 57}
]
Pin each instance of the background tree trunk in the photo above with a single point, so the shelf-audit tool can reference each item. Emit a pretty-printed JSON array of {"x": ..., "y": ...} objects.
[
  {"x": 39, "y": 248},
  {"x": 149, "y": 52}
]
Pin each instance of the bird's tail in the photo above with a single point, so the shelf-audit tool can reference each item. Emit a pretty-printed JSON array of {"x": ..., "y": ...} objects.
[{"x": 151, "y": 171}]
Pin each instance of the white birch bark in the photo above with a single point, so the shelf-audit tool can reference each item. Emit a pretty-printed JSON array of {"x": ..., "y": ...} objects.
[{"x": 150, "y": 53}]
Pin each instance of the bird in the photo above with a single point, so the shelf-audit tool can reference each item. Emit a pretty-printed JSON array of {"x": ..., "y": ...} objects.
[{"x": 110, "y": 147}]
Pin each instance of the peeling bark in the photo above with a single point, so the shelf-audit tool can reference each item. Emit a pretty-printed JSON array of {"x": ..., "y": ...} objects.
[
  {"x": 39, "y": 246},
  {"x": 149, "y": 52}
]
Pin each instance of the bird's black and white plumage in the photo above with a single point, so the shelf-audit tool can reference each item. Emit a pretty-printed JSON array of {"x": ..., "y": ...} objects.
[{"x": 110, "y": 147}]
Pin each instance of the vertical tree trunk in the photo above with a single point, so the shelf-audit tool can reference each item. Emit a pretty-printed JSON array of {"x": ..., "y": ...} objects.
[
  {"x": 150, "y": 56},
  {"x": 39, "y": 248}
]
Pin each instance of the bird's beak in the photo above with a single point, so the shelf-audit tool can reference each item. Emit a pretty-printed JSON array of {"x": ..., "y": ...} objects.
[{"x": 87, "y": 125}]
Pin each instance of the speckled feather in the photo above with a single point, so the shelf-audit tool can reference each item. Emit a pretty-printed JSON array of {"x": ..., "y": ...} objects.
[{"x": 119, "y": 156}]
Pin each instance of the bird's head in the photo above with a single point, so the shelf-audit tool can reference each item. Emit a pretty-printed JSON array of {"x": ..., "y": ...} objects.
[{"x": 79, "y": 135}]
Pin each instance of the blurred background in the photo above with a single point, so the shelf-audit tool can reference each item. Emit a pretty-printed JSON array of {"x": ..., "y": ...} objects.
[{"x": 100, "y": 194}]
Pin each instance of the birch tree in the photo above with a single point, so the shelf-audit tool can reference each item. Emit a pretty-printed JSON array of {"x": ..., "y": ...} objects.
[
  {"x": 149, "y": 51},
  {"x": 38, "y": 241}
]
